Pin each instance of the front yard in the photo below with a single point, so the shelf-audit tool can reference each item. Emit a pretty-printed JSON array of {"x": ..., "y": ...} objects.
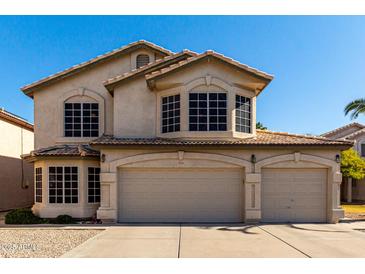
[
  {"x": 354, "y": 211},
  {"x": 41, "y": 242}
]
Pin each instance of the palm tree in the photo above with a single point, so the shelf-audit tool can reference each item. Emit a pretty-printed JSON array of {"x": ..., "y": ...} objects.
[
  {"x": 259, "y": 125},
  {"x": 355, "y": 107}
]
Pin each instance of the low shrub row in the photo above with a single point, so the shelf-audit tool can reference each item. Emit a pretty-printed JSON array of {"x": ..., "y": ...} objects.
[{"x": 24, "y": 216}]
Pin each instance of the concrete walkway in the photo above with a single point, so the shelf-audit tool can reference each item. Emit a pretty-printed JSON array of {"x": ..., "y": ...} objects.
[{"x": 229, "y": 241}]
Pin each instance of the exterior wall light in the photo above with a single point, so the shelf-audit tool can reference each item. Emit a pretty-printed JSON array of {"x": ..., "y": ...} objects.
[
  {"x": 102, "y": 158},
  {"x": 253, "y": 158},
  {"x": 338, "y": 158}
]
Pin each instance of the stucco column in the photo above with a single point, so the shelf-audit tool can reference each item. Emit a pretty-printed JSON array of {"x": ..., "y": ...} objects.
[
  {"x": 252, "y": 197},
  {"x": 337, "y": 211},
  {"x": 107, "y": 211},
  {"x": 349, "y": 190}
]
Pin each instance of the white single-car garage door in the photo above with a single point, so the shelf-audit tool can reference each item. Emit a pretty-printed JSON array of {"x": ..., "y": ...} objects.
[
  {"x": 294, "y": 195},
  {"x": 180, "y": 195}
]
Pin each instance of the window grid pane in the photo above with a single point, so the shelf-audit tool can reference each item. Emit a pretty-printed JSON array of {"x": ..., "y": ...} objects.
[
  {"x": 93, "y": 185},
  {"x": 243, "y": 114},
  {"x": 170, "y": 114},
  {"x": 362, "y": 150},
  {"x": 81, "y": 120},
  {"x": 63, "y": 185},
  {"x": 207, "y": 111},
  {"x": 55, "y": 186},
  {"x": 71, "y": 185},
  {"x": 38, "y": 184}
]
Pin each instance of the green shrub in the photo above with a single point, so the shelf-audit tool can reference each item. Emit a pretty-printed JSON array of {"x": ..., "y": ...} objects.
[
  {"x": 64, "y": 219},
  {"x": 22, "y": 216}
]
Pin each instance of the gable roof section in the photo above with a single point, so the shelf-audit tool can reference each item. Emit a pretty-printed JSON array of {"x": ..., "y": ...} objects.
[
  {"x": 338, "y": 130},
  {"x": 263, "y": 138},
  {"x": 28, "y": 89},
  {"x": 111, "y": 83},
  {"x": 16, "y": 120},
  {"x": 209, "y": 54},
  {"x": 354, "y": 134}
]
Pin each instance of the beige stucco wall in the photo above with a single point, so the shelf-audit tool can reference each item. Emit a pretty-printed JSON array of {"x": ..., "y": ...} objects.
[
  {"x": 137, "y": 110},
  {"x": 16, "y": 175},
  {"x": 47, "y": 114},
  {"x": 15, "y": 140}
]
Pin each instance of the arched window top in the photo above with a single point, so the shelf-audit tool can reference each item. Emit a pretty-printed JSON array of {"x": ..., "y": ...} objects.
[{"x": 142, "y": 60}]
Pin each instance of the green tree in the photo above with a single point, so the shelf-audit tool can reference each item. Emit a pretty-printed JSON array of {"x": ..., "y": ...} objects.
[
  {"x": 352, "y": 165},
  {"x": 259, "y": 125},
  {"x": 356, "y": 107}
]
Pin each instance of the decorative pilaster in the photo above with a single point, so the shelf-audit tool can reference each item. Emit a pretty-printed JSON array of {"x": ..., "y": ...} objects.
[
  {"x": 107, "y": 211},
  {"x": 337, "y": 211},
  {"x": 252, "y": 197}
]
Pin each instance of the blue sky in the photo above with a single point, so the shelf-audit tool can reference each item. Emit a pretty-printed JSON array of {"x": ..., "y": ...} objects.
[{"x": 318, "y": 62}]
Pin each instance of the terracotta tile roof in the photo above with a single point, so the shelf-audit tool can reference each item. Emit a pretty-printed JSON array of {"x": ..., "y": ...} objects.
[
  {"x": 355, "y": 124},
  {"x": 354, "y": 134},
  {"x": 157, "y": 73},
  {"x": 262, "y": 138},
  {"x": 110, "y": 83},
  {"x": 28, "y": 89},
  {"x": 64, "y": 150},
  {"x": 14, "y": 119}
]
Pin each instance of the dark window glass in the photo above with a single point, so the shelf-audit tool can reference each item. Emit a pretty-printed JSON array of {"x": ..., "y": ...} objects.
[
  {"x": 93, "y": 185},
  {"x": 170, "y": 114},
  {"x": 81, "y": 120},
  {"x": 207, "y": 111},
  {"x": 63, "y": 184},
  {"x": 38, "y": 184}
]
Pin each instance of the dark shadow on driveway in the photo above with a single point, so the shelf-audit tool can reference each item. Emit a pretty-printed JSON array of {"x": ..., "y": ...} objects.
[
  {"x": 245, "y": 229},
  {"x": 316, "y": 230}
]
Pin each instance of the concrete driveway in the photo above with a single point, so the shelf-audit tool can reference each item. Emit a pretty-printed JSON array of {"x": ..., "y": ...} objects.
[{"x": 243, "y": 241}]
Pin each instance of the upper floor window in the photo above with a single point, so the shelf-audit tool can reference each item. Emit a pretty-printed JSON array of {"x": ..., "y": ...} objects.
[
  {"x": 142, "y": 60},
  {"x": 38, "y": 184},
  {"x": 362, "y": 148},
  {"x": 243, "y": 114},
  {"x": 81, "y": 120},
  {"x": 207, "y": 111},
  {"x": 171, "y": 113},
  {"x": 63, "y": 185}
]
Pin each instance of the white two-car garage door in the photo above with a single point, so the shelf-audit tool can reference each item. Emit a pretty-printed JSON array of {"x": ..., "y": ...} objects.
[
  {"x": 294, "y": 195},
  {"x": 180, "y": 195}
]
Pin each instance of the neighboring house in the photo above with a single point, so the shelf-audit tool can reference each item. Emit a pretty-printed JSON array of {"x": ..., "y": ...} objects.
[
  {"x": 141, "y": 134},
  {"x": 351, "y": 189},
  {"x": 16, "y": 175}
]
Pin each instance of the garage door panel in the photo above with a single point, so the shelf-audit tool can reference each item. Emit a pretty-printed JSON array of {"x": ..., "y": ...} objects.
[
  {"x": 180, "y": 195},
  {"x": 294, "y": 195}
]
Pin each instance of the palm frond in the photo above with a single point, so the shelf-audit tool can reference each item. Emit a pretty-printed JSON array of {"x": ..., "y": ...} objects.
[{"x": 356, "y": 107}]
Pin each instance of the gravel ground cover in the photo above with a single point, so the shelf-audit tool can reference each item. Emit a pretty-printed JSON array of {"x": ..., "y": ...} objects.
[{"x": 41, "y": 243}]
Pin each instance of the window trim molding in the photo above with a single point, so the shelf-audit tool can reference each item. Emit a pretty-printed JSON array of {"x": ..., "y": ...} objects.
[{"x": 82, "y": 93}]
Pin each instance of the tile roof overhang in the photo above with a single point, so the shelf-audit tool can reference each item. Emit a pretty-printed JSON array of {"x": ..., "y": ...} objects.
[
  {"x": 156, "y": 74},
  {"x": 28, "y": 89},
  {"x": 13, "y": 119},
  {"x": 263, "y": 138},
  {"x": 79, "y": 151},
  {"x": 111, "y": 83}
]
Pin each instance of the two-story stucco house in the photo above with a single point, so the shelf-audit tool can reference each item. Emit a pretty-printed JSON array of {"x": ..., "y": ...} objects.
[
  {"x": 142, "y": 134},
  {"x": 351, "y": 189}
]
